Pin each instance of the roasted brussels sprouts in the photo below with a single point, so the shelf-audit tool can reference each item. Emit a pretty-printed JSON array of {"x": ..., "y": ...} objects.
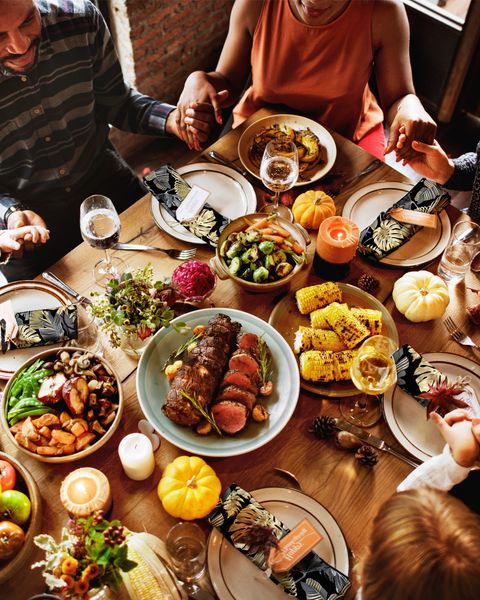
[{"x": 260, "y": 274}]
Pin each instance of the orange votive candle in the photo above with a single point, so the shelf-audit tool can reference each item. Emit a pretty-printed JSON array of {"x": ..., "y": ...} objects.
[{"x": 337, "y": 240}]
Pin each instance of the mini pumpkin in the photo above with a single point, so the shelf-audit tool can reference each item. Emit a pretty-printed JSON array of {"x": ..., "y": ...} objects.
[
  {"x": 189, "y": 488},
  {"x": 313, "y": 207},
  {"x": 420, "y": 296}
]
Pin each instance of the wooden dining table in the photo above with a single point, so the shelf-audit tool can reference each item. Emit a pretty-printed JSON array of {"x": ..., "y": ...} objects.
[{"x": 351, "y": 492}]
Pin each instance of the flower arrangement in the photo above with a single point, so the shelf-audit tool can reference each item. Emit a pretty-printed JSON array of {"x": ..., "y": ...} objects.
[
  {"x": 135, "y": 304},
  {"x": 91, "y": 554}
]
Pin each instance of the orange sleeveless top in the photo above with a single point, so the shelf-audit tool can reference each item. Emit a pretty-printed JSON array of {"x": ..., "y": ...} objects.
[{"x": 320, "y": 71}]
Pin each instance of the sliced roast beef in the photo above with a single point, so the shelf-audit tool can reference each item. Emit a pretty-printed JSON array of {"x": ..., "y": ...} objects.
[
  {"x": 230, "y": 417},
  {"x": 232, "y": 392},
  {"x": 249, "y": 342},
  {"x": 242, "y": 380},
  {"x": 244, "y": 362}
]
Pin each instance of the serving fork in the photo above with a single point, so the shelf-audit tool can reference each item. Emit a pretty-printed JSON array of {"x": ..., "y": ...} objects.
[
  {"x": 172, "y": 252},
  {"x": 458, "y": 335}
]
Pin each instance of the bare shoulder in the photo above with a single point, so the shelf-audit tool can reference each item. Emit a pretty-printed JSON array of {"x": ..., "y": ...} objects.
[
  {"x": 245, "y": 14},
  {"x": 389, "y": 19}
]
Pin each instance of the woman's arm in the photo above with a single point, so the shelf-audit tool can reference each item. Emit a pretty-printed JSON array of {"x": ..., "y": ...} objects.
[{"x": 391, "y": 33}]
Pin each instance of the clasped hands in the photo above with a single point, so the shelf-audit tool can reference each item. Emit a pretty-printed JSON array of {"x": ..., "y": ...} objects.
[{"x": 462, "y": 434}]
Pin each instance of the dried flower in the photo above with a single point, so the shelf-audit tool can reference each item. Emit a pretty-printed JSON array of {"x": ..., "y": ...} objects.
[{"x": 134, "y": 303}]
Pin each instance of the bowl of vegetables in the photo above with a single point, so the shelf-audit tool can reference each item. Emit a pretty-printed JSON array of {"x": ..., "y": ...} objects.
[
  {"x": 62, "y": 405},
  {"x": 20, "y": 515},
  {"x": 261, "y": 253}
]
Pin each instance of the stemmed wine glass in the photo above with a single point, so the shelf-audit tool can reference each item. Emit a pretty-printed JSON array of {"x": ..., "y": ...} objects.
[
  {"x": 279, "y": 172},
  {"x": 373, "y": 372},
  {"x": 100, "y": 227}
]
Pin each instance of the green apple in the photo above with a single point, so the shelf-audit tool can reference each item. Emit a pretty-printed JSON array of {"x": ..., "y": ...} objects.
[{"x": 14, "y": 506}]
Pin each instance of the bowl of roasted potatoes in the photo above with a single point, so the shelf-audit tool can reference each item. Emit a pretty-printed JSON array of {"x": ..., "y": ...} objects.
[{"x": 62, "y": 405}]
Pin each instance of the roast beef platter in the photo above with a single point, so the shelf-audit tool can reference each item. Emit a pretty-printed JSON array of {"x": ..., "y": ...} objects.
[{"x": 218, "y": 377}]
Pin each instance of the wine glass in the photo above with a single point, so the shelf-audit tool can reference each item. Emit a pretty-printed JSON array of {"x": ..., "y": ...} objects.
[
  {"x": 279, "y": 172},
  {"x": 100, "y": 227},
  {"x": 373, "y": 372}
]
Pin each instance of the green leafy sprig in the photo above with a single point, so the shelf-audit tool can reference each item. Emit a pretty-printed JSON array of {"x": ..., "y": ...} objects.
[
  {"x": 265, "y": 361},
  {"x": 181, "y": 349},
  {"x": 202, "y": 410}
]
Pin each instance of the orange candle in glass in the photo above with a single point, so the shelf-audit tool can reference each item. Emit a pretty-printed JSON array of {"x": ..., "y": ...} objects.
[{"x": 337, "y": 240}]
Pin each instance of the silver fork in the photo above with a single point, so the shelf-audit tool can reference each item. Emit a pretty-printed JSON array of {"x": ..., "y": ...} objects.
[
  {"x": 172, "y": 252},
  {"x": 458, "y": 335}
]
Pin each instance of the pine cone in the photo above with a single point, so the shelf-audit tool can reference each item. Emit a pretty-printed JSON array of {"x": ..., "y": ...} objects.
[
  {"x": 366, "y": 455},
  {"x": 324, "y": 427},
  {"x": 367, "y": 283}
]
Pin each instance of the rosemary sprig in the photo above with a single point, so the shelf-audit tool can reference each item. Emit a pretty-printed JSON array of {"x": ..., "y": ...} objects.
[
  {"x": 203, "y": 411},
  {"x": 265, "y": 361},
  {"x": 180, "y": 350}
]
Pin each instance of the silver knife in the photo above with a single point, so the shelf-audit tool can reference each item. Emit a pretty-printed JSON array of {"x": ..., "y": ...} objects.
[
  {"x": 371, "y": 440},
  {"x": 57, "y": 282},
  {"x": 228, "y": 163}
]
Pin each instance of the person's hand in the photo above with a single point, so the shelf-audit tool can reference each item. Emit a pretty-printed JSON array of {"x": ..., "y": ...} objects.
[
  {"x": 457, "y": 430},
  {"x": 196, "y": 125},
  {"x": 431, "y": 161},
  {"x": 198, "y": 89},
  {"x": 11, "y": 240},
  {"x": 411, "y": 122},
  {"x": 27, "y": 218}
]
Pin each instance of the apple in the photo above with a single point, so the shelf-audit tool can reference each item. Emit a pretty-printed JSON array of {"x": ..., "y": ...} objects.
[
  {"x": 75, "y": 393},
  {"x": 12, "y": 538},
  {"x": 50, "y": 391},
  {"x": 8, "y": 476},
  {"x": 15, "y": 506}
]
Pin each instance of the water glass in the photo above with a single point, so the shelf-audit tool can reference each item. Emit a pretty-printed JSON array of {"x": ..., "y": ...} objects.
[
  {"x": 457, "y": 256},
  {"x": 187, "y": 550},
  {"x": 88, "y": 336}
]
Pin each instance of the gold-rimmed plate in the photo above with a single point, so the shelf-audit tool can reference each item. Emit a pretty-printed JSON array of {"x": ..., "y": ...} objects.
[
  {"x": 286, "y": 319},
  {"x": 24, "y": 296},
  {"x": 296, "y": 122}
]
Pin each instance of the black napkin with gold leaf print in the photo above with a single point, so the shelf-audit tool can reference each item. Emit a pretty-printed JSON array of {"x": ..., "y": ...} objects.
[
  {"x": 41, "y": 327},
  {"x": 241, "y": 519},
  {"x": 386, "y": 234},
  {"x": 170, "y": 189}
]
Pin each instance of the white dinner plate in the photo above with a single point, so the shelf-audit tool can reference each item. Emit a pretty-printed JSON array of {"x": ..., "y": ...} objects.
[
  {"x": 230, "y": 194},
  {"x": 328, "y": 150},
  {"x": 365, "y": 205},
  {"x": 407, "y": 419},
  {"x": 153, "y": 387},
  {"x": 235, "y": 577},
  {"x": 27, "y": 295}
]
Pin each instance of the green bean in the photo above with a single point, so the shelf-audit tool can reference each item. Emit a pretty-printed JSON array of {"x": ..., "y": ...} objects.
[
  {"x": 33, "y": 367},
  {"x": 32, "y": 412},
  {"x": 13, "y": 400},
  {"x": 20, "y": 406}
]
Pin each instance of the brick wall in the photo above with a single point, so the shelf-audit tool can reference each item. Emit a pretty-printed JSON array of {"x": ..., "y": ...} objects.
[{"x": 170, "y": 39}]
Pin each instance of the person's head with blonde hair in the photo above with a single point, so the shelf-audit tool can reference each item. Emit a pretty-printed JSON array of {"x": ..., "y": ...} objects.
[{"x": 425, "y": 545}]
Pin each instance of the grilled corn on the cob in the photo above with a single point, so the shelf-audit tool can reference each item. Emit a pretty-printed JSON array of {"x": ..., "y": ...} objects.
[
  {"x": 326, "y": 366},
  {"x": 318, "y": 318},
  {"x": 371, "y": 318},
  {"x": 341, "y": 320},
  {"x": 308, "y": 338},
  {"x": 315, "y": 296}
]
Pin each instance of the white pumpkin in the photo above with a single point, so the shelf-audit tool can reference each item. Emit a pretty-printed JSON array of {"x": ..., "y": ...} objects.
[{"x": 420, "y": 296}]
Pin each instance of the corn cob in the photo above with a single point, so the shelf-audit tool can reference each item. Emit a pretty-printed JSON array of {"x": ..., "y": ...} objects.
[
  {"x": 316, "y": 365},
  {"x": 341, "y": 320},
  {"x": 372, "y": 319},
  {"x": 315, "y": 296},
  {"x": 342, "y": 361},
  {"x": 308, "y": 338},
  {"x": 318, "y": 318}
]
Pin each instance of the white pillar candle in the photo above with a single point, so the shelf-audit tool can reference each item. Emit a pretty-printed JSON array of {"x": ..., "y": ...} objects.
[{"x": 136, "y": 455}]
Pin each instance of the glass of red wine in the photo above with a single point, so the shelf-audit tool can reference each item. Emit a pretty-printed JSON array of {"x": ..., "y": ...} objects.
[{"x": 100, "y": 227}]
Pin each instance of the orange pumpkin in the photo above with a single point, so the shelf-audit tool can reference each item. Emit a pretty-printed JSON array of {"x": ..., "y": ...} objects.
[{"x": 313, "y": 207}]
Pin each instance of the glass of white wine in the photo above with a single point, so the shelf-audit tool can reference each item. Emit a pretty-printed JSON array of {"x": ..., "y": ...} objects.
[
  {"x": 100, "y": 227},
  {"x": 373, "y": 372},
  {"x": 279, "y": 173}
]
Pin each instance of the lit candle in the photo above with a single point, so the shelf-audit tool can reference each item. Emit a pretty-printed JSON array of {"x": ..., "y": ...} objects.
[
  {"x": 337, "y": 243},
  {"x": 136, "y": 455},
  {"x": 84, "y": 491}
]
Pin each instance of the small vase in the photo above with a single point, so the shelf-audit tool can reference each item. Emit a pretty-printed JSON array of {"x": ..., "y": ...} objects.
[
  {"x": 103, "y": 593},
  {"x": 131, "y": 344}
]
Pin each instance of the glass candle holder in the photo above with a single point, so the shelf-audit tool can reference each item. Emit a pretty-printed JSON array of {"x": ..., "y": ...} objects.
[{"x": 337, "y": 243}]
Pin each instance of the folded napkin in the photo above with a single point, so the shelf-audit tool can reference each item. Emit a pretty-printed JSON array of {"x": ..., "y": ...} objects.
[
  {"x": 170, "y": 189},
  {"x": 386, "y": 234},
  {"x": 310, "y": 578},
  {"x": 415, "y": 375},
  {"x": 40, "y": 327}
]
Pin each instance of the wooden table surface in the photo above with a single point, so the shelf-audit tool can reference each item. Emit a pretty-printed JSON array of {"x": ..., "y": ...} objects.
[{"x": 351, "y": 492}]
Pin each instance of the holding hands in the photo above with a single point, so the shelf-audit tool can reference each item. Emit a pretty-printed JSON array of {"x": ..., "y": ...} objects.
[
  {"x": 12, "y": 240},
  {"x": 462, "y": 434}
]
